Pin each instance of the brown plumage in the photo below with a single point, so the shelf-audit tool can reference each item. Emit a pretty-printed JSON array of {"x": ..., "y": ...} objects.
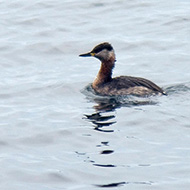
[{"x": 104, "y": 84}]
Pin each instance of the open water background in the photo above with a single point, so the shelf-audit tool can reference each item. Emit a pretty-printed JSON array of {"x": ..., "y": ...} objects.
[{"x": 55, "y": 134}]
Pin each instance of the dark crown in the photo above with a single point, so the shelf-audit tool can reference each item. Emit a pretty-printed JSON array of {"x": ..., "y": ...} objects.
[{"x": 101, "y": 47}]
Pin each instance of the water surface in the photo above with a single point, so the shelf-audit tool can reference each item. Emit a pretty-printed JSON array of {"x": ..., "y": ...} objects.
[{"x": 55, "y": 134}]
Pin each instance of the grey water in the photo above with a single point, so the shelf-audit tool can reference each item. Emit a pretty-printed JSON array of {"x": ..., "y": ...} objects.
[{"x": 55, "y": 133}]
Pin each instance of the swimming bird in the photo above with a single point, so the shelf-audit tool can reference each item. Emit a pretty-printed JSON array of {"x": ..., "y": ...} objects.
[{"x": 105, "y": 85}]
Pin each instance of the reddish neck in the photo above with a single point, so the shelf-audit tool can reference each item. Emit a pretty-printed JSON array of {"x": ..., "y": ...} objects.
[{"x": 104, "y": 74}]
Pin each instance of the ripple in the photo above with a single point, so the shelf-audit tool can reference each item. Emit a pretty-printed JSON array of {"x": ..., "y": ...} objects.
[
  {"x": 105, "y": 165},
  {"x": 107, "y": 152},
  {"x": 178, "y": 88},
  {"x": 123, "y": 183},
  {"x": 112, "y": 184},
  {"x": 100, "y": 121},
  {"x": 98, "y": 117}
]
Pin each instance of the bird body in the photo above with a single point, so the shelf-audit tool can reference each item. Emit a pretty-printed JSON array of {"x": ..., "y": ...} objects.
[{"x": 105, "y": 85}]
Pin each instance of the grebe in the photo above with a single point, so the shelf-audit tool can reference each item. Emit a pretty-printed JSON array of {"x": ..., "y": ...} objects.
[{"x": 105, "y": 85}]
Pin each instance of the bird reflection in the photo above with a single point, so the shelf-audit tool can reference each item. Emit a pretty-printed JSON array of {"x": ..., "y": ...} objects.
[
  {"x": 106, "y": 104},
  {"x": 105, "y": 108},
  {"x": 103, "y": 119},
  {"x": 111, "y": 104},
  {"x": 100, "y": 121},
  {"x": 98, "y": 117}
]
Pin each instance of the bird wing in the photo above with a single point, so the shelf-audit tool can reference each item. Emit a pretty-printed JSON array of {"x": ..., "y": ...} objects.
[{"x": 128, "y": 81}]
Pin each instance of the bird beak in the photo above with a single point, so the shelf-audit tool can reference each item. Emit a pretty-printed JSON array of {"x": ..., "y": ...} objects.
[{"x": 87, "y": 54}]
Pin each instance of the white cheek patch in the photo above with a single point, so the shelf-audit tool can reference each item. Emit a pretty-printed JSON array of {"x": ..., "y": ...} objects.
[{"x": 103, "y": 53}]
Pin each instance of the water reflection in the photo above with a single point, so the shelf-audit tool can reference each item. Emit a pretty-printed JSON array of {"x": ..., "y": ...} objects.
[
  {"x": 101, "y": 122},
  {"x": 105, "y": 165},
  {"x": 103, "y": 118},
  {"x": 111, "y": 104},
  {"x": 112, "y": 184},
  {"x": 104, "y": 106},
  {"x": 107, "y": 152},
  {"x": 124, "y": 183}
]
